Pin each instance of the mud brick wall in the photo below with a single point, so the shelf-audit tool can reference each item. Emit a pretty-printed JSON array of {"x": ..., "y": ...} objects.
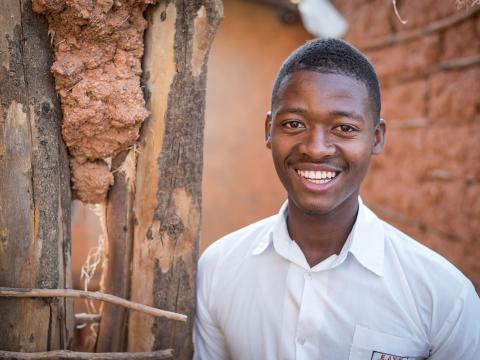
[{"x": 427, "y": 182}]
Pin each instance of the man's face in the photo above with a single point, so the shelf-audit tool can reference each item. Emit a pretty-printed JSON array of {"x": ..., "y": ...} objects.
[{"x": 322, "y": 134}]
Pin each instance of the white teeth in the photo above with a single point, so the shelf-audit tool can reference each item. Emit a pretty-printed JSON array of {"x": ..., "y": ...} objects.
[
  {"x": 317, "y": 177},
  {"x": 319, "y": 181}
]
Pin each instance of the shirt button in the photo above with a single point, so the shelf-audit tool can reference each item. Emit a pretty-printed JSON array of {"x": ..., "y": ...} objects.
[
  {"x": 308, "y": 276},
  {"x": 301, "y": 340}
]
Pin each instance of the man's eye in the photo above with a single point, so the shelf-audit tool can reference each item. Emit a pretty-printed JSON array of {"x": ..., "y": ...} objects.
[
  {"x": 346, "y": 128},
  {"x": 294, "y": 124}
]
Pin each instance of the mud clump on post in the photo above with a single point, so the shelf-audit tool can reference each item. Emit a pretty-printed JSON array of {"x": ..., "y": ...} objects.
[{"x": 98, "y": 48}]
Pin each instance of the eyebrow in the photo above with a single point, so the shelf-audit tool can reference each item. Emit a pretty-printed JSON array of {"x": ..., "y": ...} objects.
[
  {"x": 349, "y": 114},
  {"x": 293, "y": 110},
  {"x": 334, "y": 114}
]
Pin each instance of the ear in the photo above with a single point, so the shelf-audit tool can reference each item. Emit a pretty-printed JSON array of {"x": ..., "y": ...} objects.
[
  {"x": 268, "y": 128},
  {"x": 379, "y": 137}
]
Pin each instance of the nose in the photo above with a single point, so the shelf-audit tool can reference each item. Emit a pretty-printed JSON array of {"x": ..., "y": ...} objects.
[{"x": 317, "y": 144}]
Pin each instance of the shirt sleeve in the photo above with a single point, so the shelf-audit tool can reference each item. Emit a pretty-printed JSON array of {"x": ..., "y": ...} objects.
[
  {"x": 459, "y": 337},
  {"x": 209, "y": 341}
]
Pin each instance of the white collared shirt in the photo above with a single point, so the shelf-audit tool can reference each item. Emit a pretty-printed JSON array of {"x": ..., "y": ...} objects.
[{"x": 383, "y": 295}]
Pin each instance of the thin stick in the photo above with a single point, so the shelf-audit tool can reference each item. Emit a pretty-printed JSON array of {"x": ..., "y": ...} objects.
[
  {"x": 83, "y": 318},
  {"x": 396, "y": 13},
  {"x": 15, "y": 292},
  {"x": 65, "y": 354}
]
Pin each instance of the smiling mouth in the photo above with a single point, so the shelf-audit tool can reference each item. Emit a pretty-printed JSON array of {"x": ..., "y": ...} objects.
[{"x": 317, "y": 177}]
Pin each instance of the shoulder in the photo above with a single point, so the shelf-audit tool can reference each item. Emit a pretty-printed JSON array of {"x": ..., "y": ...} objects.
[
  {"x": 438, "y": 289},
  {"x": 444, "y": 298},
  {"x": 230, "y": 250},
  {"x": 419, "y": 261}
]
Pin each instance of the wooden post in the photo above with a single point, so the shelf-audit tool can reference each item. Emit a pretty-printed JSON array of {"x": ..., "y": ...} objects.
[
  {"x": 116, "y": 272},
  {"x": 34, "y": 187},
  {"x": 168, "y": 180}
]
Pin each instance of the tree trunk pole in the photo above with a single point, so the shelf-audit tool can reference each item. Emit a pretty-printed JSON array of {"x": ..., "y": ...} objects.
[
  {"x": 116, "y": 272},
  {"x": 34, "y": 187},
  {"x": 168, "y": 181}
]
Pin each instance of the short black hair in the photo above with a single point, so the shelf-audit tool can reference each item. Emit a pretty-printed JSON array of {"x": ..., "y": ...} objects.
[{"x": 332, "y": 56}]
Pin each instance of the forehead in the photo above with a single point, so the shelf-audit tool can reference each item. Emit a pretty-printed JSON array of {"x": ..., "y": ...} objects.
[{"x": 313, "y": 89}]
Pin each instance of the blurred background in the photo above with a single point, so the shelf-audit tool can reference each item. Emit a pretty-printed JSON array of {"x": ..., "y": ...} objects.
[{"x": 427, "y": 182}]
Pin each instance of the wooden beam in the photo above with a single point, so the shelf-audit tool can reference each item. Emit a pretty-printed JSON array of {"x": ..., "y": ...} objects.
[
  {"x": 116, "y": 271},
  {"x": 168, "y": 187},
  {"x": 34, "y": 186}
]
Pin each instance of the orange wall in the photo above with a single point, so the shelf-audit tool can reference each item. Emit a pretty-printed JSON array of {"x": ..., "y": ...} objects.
[{"x": 239, "y": 182}]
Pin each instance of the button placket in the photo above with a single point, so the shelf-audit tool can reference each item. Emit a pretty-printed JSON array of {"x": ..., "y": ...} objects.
[
  {"x": 305, "y": 326},
  {"x": 301, "y": 340}
]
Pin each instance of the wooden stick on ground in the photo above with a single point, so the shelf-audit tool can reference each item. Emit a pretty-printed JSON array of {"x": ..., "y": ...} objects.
[
  {"x": 65, "y": 354},
  {"x": 15, "y": 292}
]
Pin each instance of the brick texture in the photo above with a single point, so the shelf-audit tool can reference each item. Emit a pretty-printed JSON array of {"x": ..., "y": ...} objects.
[
  {"x": 421, "y": 13},
  {"x": 363, "y": 23},
  {"x": 427, "y": 181},
  {"x": 462, "y": 40},
  {"x": 454, "y": 95},
  {"x": 477, "y": 26},
  {"x": 405, "y": 101},
  {"x": 406, "y": 59}
]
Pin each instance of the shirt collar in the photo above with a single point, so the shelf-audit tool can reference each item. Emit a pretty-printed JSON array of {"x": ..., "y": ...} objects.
[
  {"x": 279, "y": 228},
  {"x": 368, "y": 240},
  {"x": 365, "y": 242}
]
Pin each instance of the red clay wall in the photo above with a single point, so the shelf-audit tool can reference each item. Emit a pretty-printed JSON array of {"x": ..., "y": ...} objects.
[{"x": 427, "y": 182}]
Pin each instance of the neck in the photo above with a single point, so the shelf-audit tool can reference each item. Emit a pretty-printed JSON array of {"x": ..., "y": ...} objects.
[{"x": 322, "y": 235}]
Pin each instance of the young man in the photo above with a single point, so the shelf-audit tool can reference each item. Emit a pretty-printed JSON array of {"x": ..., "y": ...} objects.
[{"x": 325, "y": 278}]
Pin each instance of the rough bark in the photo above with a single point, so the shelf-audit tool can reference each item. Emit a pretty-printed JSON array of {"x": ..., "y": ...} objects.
[
  {"x": 65, "y": 354},
  {"x": 34, "y": 187},
  {"x": 168, "y": 186},
  {"x": 116, "y": 271}
]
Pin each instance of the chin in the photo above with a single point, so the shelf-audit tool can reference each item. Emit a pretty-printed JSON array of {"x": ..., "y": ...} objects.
[
  {"x": 322, "y": 204},
  {"x": 314, "y": 206}
]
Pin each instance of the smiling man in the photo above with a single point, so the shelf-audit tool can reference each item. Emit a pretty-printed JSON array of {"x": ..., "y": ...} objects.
[{"x": 325, "y": 278}]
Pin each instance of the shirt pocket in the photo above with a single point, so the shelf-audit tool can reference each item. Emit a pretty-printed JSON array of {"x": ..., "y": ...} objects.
[{"x": 373, "y": 345}]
